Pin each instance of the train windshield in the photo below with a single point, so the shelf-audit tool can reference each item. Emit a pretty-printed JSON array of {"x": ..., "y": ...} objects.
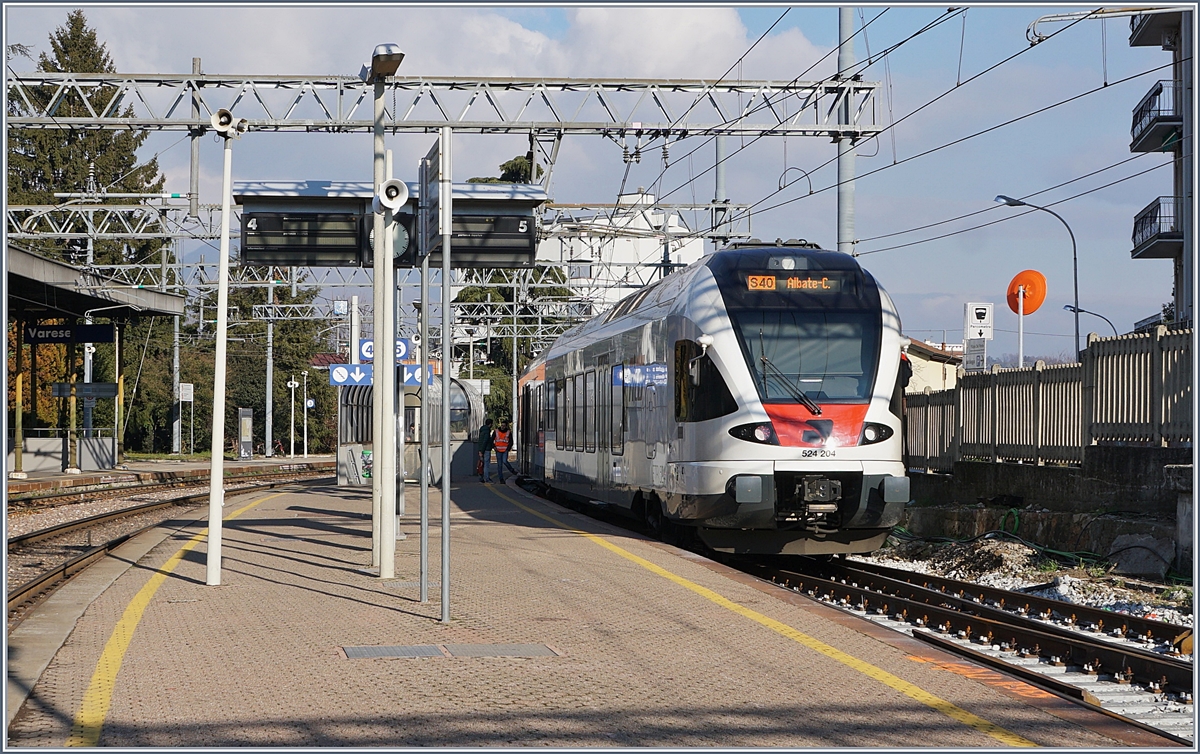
[{"x": 809, "y": 324}]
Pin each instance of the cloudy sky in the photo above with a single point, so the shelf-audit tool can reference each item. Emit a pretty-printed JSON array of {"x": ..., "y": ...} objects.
[{"x": 930, "y": 281}]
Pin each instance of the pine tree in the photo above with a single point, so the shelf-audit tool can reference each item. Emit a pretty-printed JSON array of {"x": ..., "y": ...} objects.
[{"x": 44, "y": 161}]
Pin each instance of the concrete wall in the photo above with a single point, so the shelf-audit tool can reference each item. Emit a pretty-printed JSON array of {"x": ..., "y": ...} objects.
[
  {"x": 48, "y": 454},
  {"x": 1111, "y": 478}
]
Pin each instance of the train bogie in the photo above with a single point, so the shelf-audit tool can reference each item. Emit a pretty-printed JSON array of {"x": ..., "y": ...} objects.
[{"x": 752, "y": 396}]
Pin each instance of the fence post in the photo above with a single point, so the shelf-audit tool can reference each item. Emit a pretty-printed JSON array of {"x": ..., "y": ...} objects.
[
  {"x": 927, "y": 450},
  {"x": 1038, "y": 407},
  {"x": 956, "y": 440},
  {"x": 1157, "y": 385},
  {"x": 1089, "y": 394},
  {"x": 994, "y": 391}
]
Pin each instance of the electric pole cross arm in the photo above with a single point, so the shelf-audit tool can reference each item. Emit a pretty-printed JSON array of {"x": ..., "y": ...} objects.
[{"x": 642, "y": 108}]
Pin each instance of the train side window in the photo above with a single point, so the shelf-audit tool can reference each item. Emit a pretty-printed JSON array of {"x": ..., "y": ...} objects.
[
  {"x": 580, "y": 412},
  {"x": 560, "y": 434},
  {"x": 590, "y": 411},
  {"x": 700, "y": 390},
  {"x": 568, "y": 442},
  {"x": 617, "y": 404}
]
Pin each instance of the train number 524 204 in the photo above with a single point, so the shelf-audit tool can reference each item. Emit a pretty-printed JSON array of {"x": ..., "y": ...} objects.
[{"x": 817, "y": 453}]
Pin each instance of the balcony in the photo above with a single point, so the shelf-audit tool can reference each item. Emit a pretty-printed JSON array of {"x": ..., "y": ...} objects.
[
  {"x": 1155, "y": 29},
  {"x": 1157, "y": 120},
  {"x": 1158, "y": 229}
]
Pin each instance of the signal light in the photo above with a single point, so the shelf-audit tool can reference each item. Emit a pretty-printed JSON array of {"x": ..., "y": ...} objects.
[{"x": 757, "y": 432}]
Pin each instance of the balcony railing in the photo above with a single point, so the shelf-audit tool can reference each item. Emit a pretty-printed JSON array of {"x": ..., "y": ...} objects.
[
  {"x": 1161, "y": 103},
  {"x": 1161, "y": 217}
]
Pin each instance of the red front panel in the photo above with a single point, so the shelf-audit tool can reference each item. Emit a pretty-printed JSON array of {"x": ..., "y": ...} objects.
[{"x": 838, "y": 425}]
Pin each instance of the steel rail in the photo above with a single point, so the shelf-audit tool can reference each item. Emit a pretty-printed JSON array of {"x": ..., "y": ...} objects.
[
  {"x": 1018, "y": 634},
  {"x": 65, "y": 571},
  {"x": 1128, "y": 626}
]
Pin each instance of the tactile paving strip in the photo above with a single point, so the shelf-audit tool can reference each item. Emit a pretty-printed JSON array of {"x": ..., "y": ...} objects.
[{"x": 454, "y": 650}]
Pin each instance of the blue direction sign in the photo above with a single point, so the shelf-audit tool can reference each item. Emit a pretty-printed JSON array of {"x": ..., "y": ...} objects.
[
  {"x": 366, "y": 348},
  {"x": 350, "y": 374},
  {"x": 412, "y": 375}
]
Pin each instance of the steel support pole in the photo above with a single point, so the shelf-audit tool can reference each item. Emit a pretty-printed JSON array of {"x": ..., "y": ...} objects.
[
  {"x": 194, "y": 183},
  {"x": 1021, "y": 326},
  {"x": 384, "y": 393},
  {"x": 425, "y": 423},
  {"x": 378, "y": 285},
  {"x": 306, "y": 413},
  {"x": 292, "y": 445},
  {"x": 216, "y": 488},
  {"x": 845, "y": 162},
  {"x": 269, "y": 424},
  {"x": 1185, "y": 298},
  {"x": 445, "y": 201},
  {"x": 177, "y": 418},
  {"x": 18, "y": 471}
]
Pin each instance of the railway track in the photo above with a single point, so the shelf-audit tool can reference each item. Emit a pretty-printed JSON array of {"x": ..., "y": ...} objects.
[
  {"x": 1137, "y": 669},
  {"x": 124, "y": 484},
  {"x": 68, "y": 547}
]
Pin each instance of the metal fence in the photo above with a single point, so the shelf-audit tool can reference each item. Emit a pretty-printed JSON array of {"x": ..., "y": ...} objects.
[{"x": 1133, "y": 389}]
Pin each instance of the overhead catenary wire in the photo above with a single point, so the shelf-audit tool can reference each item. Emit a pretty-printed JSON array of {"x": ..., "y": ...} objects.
[
  {"x": 891, "y": 127},
  {"x": 1019, "y": 214},
  {"x": 940, "y": 147}
]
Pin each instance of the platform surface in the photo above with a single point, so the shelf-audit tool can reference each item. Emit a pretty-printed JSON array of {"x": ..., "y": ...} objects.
[{"x": 564, "y": 631}]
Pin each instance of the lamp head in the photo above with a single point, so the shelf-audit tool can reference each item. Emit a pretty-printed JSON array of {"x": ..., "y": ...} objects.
[
  {"x": 385, "y": 60},
  {"x": 1010, "y": 201},
  {"x": 1068, "y": 308}
]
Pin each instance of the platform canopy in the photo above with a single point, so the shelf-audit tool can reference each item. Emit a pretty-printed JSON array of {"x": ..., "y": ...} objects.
[{"x": 54, "y": 289}]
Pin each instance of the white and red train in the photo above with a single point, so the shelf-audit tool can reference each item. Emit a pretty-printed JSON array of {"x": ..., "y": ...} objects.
[{"x": 755, "y": 395}]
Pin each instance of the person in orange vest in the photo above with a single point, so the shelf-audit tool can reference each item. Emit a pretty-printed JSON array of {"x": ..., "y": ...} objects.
[{"x": 503, "y": 443}]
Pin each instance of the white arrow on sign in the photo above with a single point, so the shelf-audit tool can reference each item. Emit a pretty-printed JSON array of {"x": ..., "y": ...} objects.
[{"x": 358, "y": 374}]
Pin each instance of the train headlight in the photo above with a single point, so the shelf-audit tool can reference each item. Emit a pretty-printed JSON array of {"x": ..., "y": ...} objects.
[
  {"x": 873, "y": 433},
  {"x": 757, "y": 432}
]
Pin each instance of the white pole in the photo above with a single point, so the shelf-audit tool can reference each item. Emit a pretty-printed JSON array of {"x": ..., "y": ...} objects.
[
  {"x": 1021, "y": 326},
  {"x": 379, "y": 283},
  {"x": 445, "y": 204},
  {"x": 306, "y": 413},
  {"x": 216, "y": 489},
  {"x": 845, "y": 144},
  {"x": 292, "y": 448}
]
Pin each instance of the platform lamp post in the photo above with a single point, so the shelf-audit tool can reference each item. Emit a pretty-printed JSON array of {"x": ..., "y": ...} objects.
[
  {"x": 1074, "y": 254},
  {"x": 229, "y": 128},
  {"x": 292, "y": 385},
  {"x": 1078, "y": 311},
  {"x": 306, "y": 413},
  {"x": 385, "y": 60}
]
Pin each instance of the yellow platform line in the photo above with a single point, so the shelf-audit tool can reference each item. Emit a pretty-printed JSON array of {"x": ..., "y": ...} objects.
[
  {"x": 899, "y": 684},
  {"x": 98, "y": 698}
]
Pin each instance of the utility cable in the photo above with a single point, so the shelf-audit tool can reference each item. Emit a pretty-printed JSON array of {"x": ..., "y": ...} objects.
[
  {"x": 995, "y": 207},
  {"x": 927, "y": 105},
  {"x": 955, "y": 142},
  {"x": 1019, "y": 214}
]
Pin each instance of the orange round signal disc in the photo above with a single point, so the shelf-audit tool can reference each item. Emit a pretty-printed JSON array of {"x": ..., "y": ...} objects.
[{"x": 1034, "y": 284}]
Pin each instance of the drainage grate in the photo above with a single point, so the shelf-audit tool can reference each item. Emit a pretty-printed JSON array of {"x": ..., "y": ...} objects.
[
  {"x": 499, "y": 650},
  {"x": 410, "y": 584},
  {"x": 420, "y": 650}
]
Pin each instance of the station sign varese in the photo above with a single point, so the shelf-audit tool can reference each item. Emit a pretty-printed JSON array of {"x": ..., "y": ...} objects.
[{"x": 68, "y": 333}]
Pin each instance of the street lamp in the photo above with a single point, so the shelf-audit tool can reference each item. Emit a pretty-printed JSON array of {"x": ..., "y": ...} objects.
[
  {"x": 385, "y": 60},
  {"x": 1074, "y": 254},
  {"x": 293, "y": 385},
  {"x": 1079, "y": 311},
  {"x": 306, "y": 413}
]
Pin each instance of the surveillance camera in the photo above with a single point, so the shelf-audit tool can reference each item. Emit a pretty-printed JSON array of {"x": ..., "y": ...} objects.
[
  {"x": 224, "y": 123},
  {"x": 416, "y": 339},
  {"x": 393, "y": 194}
]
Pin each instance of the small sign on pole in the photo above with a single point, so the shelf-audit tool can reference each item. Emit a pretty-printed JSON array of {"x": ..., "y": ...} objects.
[
  {"x": 975, "y": 357},
  {"x": 977, "y": 321},
  {"x": 186, "y": 392}
]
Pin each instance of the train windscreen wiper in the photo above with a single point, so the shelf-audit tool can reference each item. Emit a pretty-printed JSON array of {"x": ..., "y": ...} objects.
[{"x": 791, "y": 387}]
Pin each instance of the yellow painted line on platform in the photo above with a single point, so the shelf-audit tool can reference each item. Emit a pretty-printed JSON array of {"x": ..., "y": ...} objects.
[
  {"x": 866, "y": 668},
  {"x": 96, "y": 700}
]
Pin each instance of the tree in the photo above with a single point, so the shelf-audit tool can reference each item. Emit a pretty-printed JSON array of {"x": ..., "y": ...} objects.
[
  {"x": 515, "y": 170},
  {"x": 44, "y": 161}
]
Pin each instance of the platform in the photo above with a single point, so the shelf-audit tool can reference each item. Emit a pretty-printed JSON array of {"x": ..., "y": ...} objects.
[{"x": 564, "y": 631}]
